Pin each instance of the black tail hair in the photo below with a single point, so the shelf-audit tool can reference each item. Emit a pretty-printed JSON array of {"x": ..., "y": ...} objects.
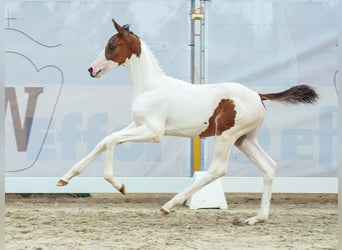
[{"x": 296, "y": 94}]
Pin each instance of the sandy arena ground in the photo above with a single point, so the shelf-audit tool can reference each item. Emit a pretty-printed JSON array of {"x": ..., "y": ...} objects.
[{"x": 115, "y": 221}]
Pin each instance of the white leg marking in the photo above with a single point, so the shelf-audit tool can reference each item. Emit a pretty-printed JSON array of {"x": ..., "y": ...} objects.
[
  {"x": 130, "y": 133},
  {"x": 217, "y": 168},
  {"x": 82, "y": 164},
  {"x": 250, "y": 147},
  {"x": 136, "y": 134}
]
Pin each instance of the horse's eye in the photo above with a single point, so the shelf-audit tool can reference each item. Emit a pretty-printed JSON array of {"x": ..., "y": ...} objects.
[{"x": 111, "y": 47}]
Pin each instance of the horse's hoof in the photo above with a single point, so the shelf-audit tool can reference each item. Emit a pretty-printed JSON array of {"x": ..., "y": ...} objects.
[
  {"x": 163, "y": 211},
  {"x": 254, "y": 220},
  {"x": 61, "y": 183},
  {"x": 122, "y": 189}
]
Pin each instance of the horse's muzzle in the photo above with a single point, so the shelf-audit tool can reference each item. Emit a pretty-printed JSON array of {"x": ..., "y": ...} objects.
[
  {"x": 90, "y": 70},
  {"x": 94, "y": 74}
]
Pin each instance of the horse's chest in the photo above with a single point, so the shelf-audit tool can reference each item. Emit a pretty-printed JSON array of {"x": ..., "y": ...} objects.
[{"x": 149, "y": 106}]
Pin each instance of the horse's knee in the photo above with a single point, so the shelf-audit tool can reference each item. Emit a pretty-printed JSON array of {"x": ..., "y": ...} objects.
[
  {"x": 218, "y": 172},
  {"x": 270, "y": 173},
  {"x": 222, "y": 172},
  {"x": 101, "y": 146},
  {"x": 108, "y": 142}
]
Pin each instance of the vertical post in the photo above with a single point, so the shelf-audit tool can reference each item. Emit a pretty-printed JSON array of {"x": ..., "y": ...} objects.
[
  {"x": 197, "y": 73},
  {"x": 2, "y": 124},
  {"x": 339, "y": 93}
]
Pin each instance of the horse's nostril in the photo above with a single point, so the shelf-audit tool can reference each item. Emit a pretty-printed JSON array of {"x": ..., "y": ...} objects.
[{"x": 90, "y": 70}]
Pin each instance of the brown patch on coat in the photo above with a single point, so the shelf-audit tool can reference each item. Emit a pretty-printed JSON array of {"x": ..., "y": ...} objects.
[
  {"x": 222, "y": 119},
  {"x": 122, "y": 45}
]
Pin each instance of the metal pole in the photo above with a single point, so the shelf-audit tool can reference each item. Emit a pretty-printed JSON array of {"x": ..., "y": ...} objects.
[
  {"x": 2, "y": 122},
  {"x": 339, "y": 93},
  {"x": 197, "y": 73}
]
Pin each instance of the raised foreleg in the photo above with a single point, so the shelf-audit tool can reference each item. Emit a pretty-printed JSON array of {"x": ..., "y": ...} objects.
[
  {"x": 141, "y": 133},
  {"x": 82, "y": 164},
  {"x": 251, "y": 148}
]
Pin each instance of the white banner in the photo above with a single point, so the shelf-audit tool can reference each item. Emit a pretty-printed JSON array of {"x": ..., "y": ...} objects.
[
  {"x": 55, "y": 113},
  {"x": 270, "y": 46},
  {"x": 84, "y": 115}
]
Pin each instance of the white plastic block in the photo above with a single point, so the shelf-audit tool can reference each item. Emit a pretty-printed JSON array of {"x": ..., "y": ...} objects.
[{"x": 210, "y": 196}]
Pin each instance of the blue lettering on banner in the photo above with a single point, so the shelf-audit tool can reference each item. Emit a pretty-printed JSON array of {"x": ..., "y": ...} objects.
[
  {"x": 36, "y": 149},
  {"x": 70, "y": 135},
  {"x": 293, "y": 143},
  {"x": 64, "y": 144},
  {"x": 326, "y": 134},
  {"x": 95, "y": 129},
  {"x": 296, "y": 144},
  {"x": 76, "y": 136}
]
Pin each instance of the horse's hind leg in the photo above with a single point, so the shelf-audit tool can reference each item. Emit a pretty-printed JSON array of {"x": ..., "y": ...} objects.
[
  {"x": 250, "y": 147},
  {"x": 218, "y": 168}
]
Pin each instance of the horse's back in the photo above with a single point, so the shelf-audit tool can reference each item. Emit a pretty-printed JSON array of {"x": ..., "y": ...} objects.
[
  {"x": 247, "y": 104},
  {"x": 192, "y": 106},
  {"x": 246, "y": 101}
]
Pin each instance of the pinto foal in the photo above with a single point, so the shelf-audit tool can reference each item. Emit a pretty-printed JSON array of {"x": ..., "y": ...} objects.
[{"x": 163, "y": 105}]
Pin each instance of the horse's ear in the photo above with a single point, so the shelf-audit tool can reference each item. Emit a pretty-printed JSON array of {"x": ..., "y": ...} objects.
[
  {"x": 126, "y": 27},
  {"x": 117, "y": 26}
]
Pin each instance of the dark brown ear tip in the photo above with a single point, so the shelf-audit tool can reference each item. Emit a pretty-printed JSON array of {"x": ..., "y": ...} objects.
[
  {"x": 117, "y": 27},
  {"x": 126, "y": 27}
]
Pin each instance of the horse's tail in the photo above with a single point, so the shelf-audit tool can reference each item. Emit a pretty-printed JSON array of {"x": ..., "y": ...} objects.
[{"x": 294, "y": 95}]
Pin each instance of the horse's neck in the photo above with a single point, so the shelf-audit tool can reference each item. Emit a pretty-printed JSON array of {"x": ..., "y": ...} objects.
[{"x": 144, "y": 70}]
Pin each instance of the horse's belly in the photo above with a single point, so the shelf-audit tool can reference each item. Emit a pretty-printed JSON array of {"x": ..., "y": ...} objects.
[{"x": 185, "y": 129}]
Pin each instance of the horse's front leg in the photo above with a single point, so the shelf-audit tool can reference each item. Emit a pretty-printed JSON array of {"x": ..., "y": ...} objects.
[
  {"x": 108, "y": 169},
  {"x": 82, "y": 164},
  {"x": 137, "y": 134},
  {"x": 131, "y": 133}
]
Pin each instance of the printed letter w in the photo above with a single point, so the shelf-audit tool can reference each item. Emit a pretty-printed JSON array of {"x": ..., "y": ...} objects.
[{"x": 22, "y": 131}]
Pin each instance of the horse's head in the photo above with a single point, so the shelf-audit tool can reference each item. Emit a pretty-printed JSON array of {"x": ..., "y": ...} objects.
[{"x": 120, "y": 47}]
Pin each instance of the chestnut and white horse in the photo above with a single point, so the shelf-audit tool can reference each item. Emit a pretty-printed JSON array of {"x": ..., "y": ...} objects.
[{"x": 163, "y": 105}]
